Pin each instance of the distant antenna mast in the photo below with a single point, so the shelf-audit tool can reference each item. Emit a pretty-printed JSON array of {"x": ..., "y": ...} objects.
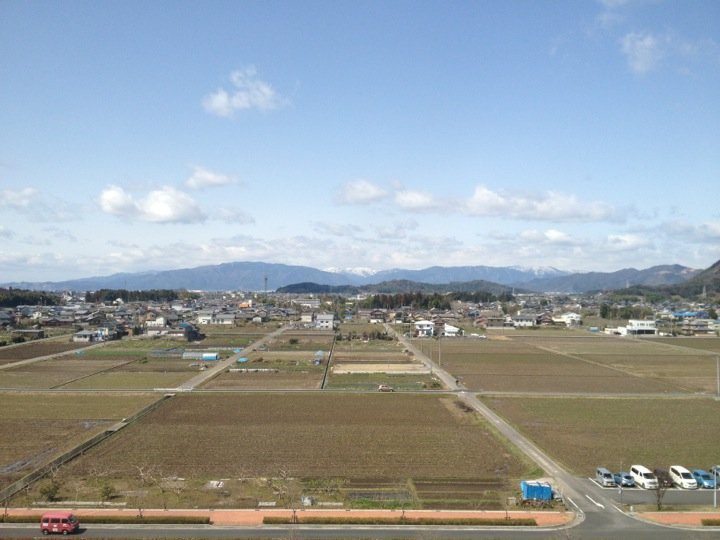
[
  {"x": 265, "y": 291},
  {"x": 704, "y": 293}
]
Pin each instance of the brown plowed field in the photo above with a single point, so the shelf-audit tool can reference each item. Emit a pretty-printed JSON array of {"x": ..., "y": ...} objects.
[
  {"x": 35, "y": 349},
  {"x": 35, "y": 427},
  {"x": 318, "y": 435},
  {"x": 584, "y": 433}
]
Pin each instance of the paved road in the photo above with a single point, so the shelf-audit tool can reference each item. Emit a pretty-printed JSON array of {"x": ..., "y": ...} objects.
[{"x": 593, "y": 528}]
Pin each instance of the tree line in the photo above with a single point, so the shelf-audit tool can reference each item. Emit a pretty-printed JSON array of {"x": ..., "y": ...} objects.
[
  {"x": 19, "y": 297},
  {"x": 418, "y": 300},
  {"x": 110, "y": 295}
]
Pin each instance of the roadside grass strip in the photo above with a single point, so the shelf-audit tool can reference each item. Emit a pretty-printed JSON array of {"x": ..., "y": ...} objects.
[{"x": 327, "y": 520}]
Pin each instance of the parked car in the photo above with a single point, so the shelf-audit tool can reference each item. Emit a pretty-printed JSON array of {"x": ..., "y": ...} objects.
[
  {"x": 682, "y": 478},
  {"x": 604, "y": 477},
  {"x": 715, "y": 472},
  {"x": 623, "y": 479},
  {"x": 59, "y": 522},
  {"x": 385, "y": 388},
  {"x": 663, "y": 477},
  {"x": 643, "y": 477},
  {"x": 703, "y": 479}
]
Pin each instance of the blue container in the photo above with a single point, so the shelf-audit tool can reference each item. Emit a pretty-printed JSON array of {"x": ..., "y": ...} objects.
[{"x": 541, "y": 491}]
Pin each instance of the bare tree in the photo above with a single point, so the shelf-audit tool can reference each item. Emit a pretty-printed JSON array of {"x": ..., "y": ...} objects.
[
  {"x": 660, "y": 490},
  {"x": 146, "y": 477}
]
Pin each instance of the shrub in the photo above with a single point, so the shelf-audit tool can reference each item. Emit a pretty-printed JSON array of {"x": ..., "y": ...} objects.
[
  {"x": 107, "y": 491},
  {"x": 711, "y": 522}
]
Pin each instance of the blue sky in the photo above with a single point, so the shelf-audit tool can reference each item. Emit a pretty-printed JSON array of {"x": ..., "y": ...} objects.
[{"x": 366, "y": 135}]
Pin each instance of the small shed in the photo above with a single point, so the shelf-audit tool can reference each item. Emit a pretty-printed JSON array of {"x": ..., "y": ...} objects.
[{"x": 535, "y": 490}]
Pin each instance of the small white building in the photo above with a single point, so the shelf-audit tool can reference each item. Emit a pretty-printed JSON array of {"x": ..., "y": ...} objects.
[
  {"x": 325, "y": 321},
  {"x": 640, "y": 328},
  {"x": 451, "y": 331},
  {"x": 424, "y": 328},
  {"x": 568, "y": 319},
  {"x": 524, "y": 321},
  {"x": 158, "y": 322}
]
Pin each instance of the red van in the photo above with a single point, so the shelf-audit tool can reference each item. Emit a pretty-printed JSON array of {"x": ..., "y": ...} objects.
[{"x": 59, "y": 522}]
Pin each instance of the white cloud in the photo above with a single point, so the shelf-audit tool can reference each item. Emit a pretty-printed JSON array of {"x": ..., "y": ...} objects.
[
  {"x": 627, "y": 242},
  {"x": 707, "y": 232},
  {"x": 114, "y": 200},
  {"x": 6, "y": 233},
  {"x": 551, "y": 206},
  {"x": 164, "y": 205},
  {"x": 415, "y": 200},
  {"x": 336, "y": 229},
  {"x": 643, "y": 51},
  {"x": 248, "y": 92},
  {"x": 202, "y": 178},
  {"x": 360, "y": 192},
  {"x": 234, "y": 216},
  {"x": 550, "y": 236},
  {"x": 397, "y": 230},
  {"x": 17, "y": 199}
]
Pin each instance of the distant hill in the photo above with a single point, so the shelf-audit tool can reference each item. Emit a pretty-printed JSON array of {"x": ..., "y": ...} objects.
[
  {"x": 399, "y": 286},
  {"x": 707, "y": 281},
  {"x": 604, "y": 281},
  {"x": 250, "y": 276},
  {"x": 507, "y": 275}
]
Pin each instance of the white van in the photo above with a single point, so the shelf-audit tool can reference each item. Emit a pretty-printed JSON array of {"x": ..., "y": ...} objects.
[
  {"x": 643, "y": 477},
  {"x": 682, "y": 478}
]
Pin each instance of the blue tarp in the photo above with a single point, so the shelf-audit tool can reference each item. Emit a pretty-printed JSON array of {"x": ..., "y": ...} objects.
[{"x": 536, "y": 490}]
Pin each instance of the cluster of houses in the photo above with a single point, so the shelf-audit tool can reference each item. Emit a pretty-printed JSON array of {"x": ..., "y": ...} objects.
[
  {"x": 110, "y": 320},
  {"x": 436, "y": 322}
]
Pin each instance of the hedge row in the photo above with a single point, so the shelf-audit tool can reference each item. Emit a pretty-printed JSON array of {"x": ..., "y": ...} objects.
[
  {"x": 122, "y": 520},
  {"x": 711, "y": 522},
  {"x": 319, "y": 520}
]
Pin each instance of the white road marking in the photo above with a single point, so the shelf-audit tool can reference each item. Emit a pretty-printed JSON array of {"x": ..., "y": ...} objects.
[{"x": 595, "y": 502}]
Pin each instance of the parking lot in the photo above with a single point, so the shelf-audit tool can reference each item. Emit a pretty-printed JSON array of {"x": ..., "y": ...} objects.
[{"x": 673, "y": 495}]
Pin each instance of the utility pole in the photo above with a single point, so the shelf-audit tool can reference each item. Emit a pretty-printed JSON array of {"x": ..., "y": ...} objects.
[{"x": 717, "y": 374}]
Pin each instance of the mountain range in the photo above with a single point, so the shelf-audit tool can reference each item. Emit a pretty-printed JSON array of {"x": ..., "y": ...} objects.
[{"x": 252, "y": 276}]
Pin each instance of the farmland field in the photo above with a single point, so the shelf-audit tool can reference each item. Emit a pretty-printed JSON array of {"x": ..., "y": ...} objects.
[
  {"x": 273, "y": 370},
  {"x": 55, "y": 371},
  {"x": 586, "y": 433},
  {"x": 517, "y": 366},
  {"x": 371, "y": 381},
  {"x": 295, "y": 340},
  {"x": 75, "y": 417},
  {"x": 130, "y": 380},
  {"x": 34, "y": 349},
  {"x": 710, "y": 344},
  {"x": 320, "y": 436},
  {"x": 687, "y": 371},
  {"x": 307, "y": 379},
  {"x": 370, "y": 346}
]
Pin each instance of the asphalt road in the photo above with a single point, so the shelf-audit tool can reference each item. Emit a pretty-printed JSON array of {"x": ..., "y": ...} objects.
[{"x": 596, "y": 527}]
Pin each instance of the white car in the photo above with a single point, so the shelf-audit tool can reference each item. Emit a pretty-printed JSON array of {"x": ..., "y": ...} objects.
[
  {"x": 682, "y": 478},
  {"x": 643, "y": 477}
]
